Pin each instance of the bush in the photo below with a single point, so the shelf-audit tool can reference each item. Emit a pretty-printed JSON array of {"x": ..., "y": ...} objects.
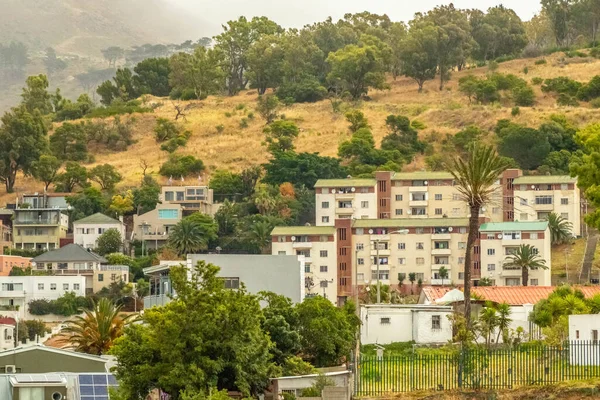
[
  {"x": 418, "y": 125},
  {"x": 541, "y": 61},
  {"x": 575, "y": 53},
  {"x": 507, "y": 81},
  {"x": 240, "y": 107},
  {"x": 565, "y": 99},
  {"x": 114, "y": 135},
  {"x": 220, "y": 128},
  {"x": 526, "y": 70},
  {"x": 181, "y": 166},
  {"x": 504, "y": 58},
  {"x": 250, "y": 115},
  {"x": 305, "y": 91},
  {"x": 523, "y": 96},
  {"x": 590, "y": 90},
  {"x": 515, "y": 111},
  {"x": 595, "y": 103},
  {"x": 493, "y": 66},
  {"x": 562, "y": 85},
  {"x": 531, "y": 51},
  {"x": 244, "y": 123},
  {"x": 118, "y": 108},
  {"x": 228, "y": 114},
  {"x": 66, "y": 305},
  {"x": 537, "y": 81},
  {"x": 595, "y": 52}
]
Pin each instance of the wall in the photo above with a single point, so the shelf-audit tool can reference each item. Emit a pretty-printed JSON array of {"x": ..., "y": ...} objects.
[
  {"x": 7, "y": 262},
  {"x": 89, "y": 240},
  {"x": 583, "y": 351},
  {"x": 297, "y": 383},
  {"x": 39, "y": 361},
  {"x": 424, "y": 333},
  {"x": 156, "y": 229}
]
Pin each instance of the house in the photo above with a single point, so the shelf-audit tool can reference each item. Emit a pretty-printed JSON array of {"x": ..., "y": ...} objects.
[
  {"x": 191, "y": 199},
  {"x": 17, "y": 291},
  {"x": 7, "y": 333},
  {"x": 7, "y": 262},
  {"x": 44, "y": 200},
  {"x": 584, "y": 344},
  {"x": 389, "y": 323},
  {"x": 318, "y": 246},
  {"x": 39, "y": 228},
  {"x": 153, "y": 227},
  {"x": 74, "y": 260},
  {"x": 283, "y": 275},
  {"x": 86, "y": 231},
  {"x": 499, "y": 240}
]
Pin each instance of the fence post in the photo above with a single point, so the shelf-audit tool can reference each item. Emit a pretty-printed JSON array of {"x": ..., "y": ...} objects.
[{"x": 460, "y": 366}]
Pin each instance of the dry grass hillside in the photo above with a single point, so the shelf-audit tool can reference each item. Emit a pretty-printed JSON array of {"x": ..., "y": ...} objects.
[{"x": 322, "y": 130}]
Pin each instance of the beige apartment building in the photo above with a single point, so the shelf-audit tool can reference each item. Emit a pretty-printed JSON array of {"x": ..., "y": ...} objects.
[
  {"x": 537, "y": 196},
  {"x": 345, "y": 199},
  {"x": 190, "y": 198},
  {"x": 153, "y": 227},
  {"x": 499, "y": 240},
  {"x": 318, "y": 246}
]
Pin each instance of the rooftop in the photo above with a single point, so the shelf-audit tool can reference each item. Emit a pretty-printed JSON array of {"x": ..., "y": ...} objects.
[
  {"x": 541, "y": 179},
  {"x": 345, "y": 182},
  {"x": 514, "y": 226},
  {"x": 421, "y": 175},
  {"x": 97, "y": 218},
  {"x": 303, "y": 230},
  {"x": 69, "y": 253},
  {"x": 410, "y": 222}
]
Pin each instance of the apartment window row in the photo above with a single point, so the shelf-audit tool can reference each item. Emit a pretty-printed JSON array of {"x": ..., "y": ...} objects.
[{"x": 90, "y": 231}]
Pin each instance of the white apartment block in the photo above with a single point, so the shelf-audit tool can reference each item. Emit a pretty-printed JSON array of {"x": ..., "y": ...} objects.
[
  {"x": 88, "y": 230},
  {"x": 499, "y": 240},
  {"x": 537, "y": 196},
  {"x": 319, "y": 247},
  {"x": 345, "y": 199}
]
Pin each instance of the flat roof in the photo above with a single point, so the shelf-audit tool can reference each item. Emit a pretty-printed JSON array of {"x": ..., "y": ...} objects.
[
  {"x": 410, "y": 222},
  {"x": 345, "y": 182},
  {"x": 514, "y": 226},
  {"x": 421, "y": 175},
  {"x": 537, "y": 179},
  {"x": 303, "y": 230}
]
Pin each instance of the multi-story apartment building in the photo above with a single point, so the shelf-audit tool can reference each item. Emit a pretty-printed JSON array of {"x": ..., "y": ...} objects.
[
  {"x": 537, "y": 196},
  {"x": 345, "y": 199},
  {"x": 499, "y": 240},
  {"x": 190, "y": 198},
  {"x": 39, "y": 228},
  {"x": 153, "y": 227},
  {"x": 318, "y": 246}
]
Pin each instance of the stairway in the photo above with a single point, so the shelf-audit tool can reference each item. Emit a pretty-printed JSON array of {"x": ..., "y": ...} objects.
[{"x": 588, "y": 259}]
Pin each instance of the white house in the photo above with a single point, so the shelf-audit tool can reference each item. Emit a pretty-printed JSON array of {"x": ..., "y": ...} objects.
[
  {"x": 389, "y": 323},
  {"x": 584, "y": 342},
  {"x": 17, "y": 291},
  {"x": 87, "y": 230}
]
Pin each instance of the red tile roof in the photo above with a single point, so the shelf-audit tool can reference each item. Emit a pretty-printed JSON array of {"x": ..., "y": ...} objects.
[
  {"x": 8, "y": 321},
  {"x": 513, "y": 295}
]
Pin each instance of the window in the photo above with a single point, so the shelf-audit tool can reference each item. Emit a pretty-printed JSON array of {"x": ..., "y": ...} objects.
[
  {"x": 168, "y": 214},
  {"x": 564, "y": 201},
  {"x": 523, "y": 216},
  {"x": 441, "y": 245},
  {"x": 401, "y": 246},
  {"x": 364, "y": 204},
  {"x": 513, "y": 281},
  {"x": 564, "y": 186},
  {"x": 31, "y": 393},
  {"x": 535, "y": 251},
  {"x": 323, "y": 253},
  {"x": 398, "y": 211},
  {"x": 543, "y": 200},
  {"x": 10, "y": 287},
  {"x": 325, "y": 190},
  {"x": 496, "y": 210},
  {"x": 384, "y": 275},
  {"x": 461, "y": 275},
  {"x": 533, "y": 282},
  {"x": 490, "y": 236},
  {"x": 62, "y": 265},
  {"x": 325, "y": 220},
  {"x": 100, "y": 277},
  {"x": 360, "y": 277},
  {"x": 323, "y": 268},
  {"x": 101, "y": 231},
  {"x": 436, "y": 322},
  {"x": 398, "y": 197},
  {"x": 455, "y": 197},
  {"x": 40, "y": 286},
  {"x": 565, "y": 215},
  {"x": 491, "y": 267},
  {"x": 232, "y": 283},
  {"x": 420, "y": 261},
  {"x": 325, "y": 204},
  {"x": 360, "y": 246},
  {"x": 65, "y": 286},
  {"x": 462, "y": 230},
  {"x": 420, "y": 246},
  {"x": 360, "y": 261},
  {"x": 576, "y": 334},
  {"x": 438, "y": 196},
  {"x": 402, "y": 261},
  {"x": 438, "y": 211},
  {"x": 462, "y": 245},
  {"x": 419, "y": 211},
  {"x": 169, "y": 196},
  {"x": 384, "y": 321},
  {"x": 53, "y": 286},
  {"x": 281, "y": 253},
  {"x": 595, "y": 335},
  {"x": 307, "y": 268},
  {"x": 491, "y": 252},
  {"x": 76, "y": 286},
  {"x": 533, "y": 236},
  {"x": 461, "y": 260}
]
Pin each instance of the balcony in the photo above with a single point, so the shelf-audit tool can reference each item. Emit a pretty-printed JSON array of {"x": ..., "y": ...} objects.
[
  {"x": 418, "y": 203},
  {"x": 441, "y": 236},
  {"x": 43, "y": 239},
  {"x": 381, "y": 238},
  {"x": 71, "y": 272},
  {"x": 382, "y": 253},
  {"x": 344, "y": 210},
  {"x": 343, "y": 196},
  {"x": 155, "y": 236},
  {"x": 511, "y": 271},
  {"x": 12, "y": 293},
  {"x": 42, "y": 221},
  {"x": 302, "y": 245},
  {"x": 441, "y": 252},
  {"x": 543, "y": 207},
  {"x": 436, "y": 267},
  {"x": 156, "y": 300},
  {"x": 440, "y": 282},
  {"x": 418, "y": 189}
]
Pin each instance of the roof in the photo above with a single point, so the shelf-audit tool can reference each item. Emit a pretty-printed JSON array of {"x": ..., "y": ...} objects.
[
  {"x": 513, "y": 295},
  {"x": 53, "y": 194},
  {"x": 70, "y": 252},
  {"x": 535, "y": 179},
  {"x": 345, "y": 182},
  {"x": 514, "y": 226},
  {"x": 410, "y": 222},
  {"x": 421, "y": 175},
  {"x": 303, "y": 230},
  {"x": 97, "y": 218},
  {"x": 8, "y": 321},
  {"x": 41, "y": 347}
]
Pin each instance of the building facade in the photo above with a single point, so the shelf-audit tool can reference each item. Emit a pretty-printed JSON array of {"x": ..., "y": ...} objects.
[
  {"x": 318, "y": 246},
  {"x": 500, "y": 240},
  {"x": 345, "y": 199},
  {"x": 39, "y": 228},
  {"x": 86, "y": 231},
  {"x": 153, "y": 227},
  {"x": 7, "y": 262},
  {"x": 191, "y": 199}
]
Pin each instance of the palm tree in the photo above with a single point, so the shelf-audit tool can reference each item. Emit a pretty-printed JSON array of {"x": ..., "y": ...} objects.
[
  {"x": 526, "y": 257},
  {"x": 260, "y": 235},
  {"x": 560, "y": 229},
  {"x": 489, "y": 322},
  {"x": 187, "y": 237},
  {"x": 503, "y": 311},
  {"x": 97, "y": 330},
  {"x": 475, "y": 178}
]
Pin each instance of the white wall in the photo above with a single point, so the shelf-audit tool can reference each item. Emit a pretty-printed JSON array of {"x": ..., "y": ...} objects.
[
  {"x": 88, "y": 240},
  {"x": 584, "y": 351}
]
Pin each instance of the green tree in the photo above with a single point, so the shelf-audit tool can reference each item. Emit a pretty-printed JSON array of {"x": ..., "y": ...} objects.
[
  {"x": 265, "y": 63},
  {"x": 499, "y": 32},
  {"x": 304, "y": 169},
  {"x": 106, "y": 176},
  {"x": 561, "y": 230},
  {"x": 46, "y": 169},
  {"x": 181, "y": 166},
  {"x": 35, "y": 95},
  {"x": 97, "y": 330},
  {"x": 187, "y": 335},
  {"x": 165, "y": 130},
  {"x": 526, "y": 257},
  {"x": 146, "y": 196},
  {"x": 109, "y": 242},
  {"x": 52, "y": 62},
  {"x": 281, "y": 324},
  {"x": 475, "y": 177},
  {"x": 226, "y": 185},
  {"x": 488, "y": 322},
  {"x": 152, "y": 77},
  {"x": 503, "y": 311},
  {"x": 527, "y": 146},
  {"x": 280, "y": 136},
  {"x": 418, "y": 54},
  {"x": 73, "y": 176},
  {"x": 402, "y": 137},
  {"x": 443, "y": 274},
  {"x": 559, "y": 13},
  {"x": 69, "y": 142},
  {"x": 86, "y": 203},
  {"x": 267, "y": 106},
  {"x": 121, "y": 88},
  {"x": 199, "y": 72},
  {"x": 259, "y": 235},
  {"x": 190, "y": 236},
  {"x": 23, "y": 135},
  {"x": 122, "y": 204}
]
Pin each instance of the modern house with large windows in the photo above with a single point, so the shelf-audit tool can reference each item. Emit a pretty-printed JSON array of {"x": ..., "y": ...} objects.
[
  {"x": 153, "y": 227},
  {"x": 190, "y": 198}
]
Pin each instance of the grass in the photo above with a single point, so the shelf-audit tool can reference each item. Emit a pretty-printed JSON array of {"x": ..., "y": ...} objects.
[{"x": 570, "y": 255}]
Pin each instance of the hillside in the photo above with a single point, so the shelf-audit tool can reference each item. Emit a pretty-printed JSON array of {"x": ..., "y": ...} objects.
[{"x": 322, "y": 130}]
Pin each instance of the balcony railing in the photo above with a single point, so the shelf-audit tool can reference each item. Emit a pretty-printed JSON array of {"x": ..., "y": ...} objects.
[
  {"x": 43, "y": 221},
  {"x": 156, "y": 300}
]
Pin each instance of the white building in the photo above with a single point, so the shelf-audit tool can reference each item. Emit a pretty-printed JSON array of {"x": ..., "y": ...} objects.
[
  {"x": 345, "y": 199},
  {"x": 391, "y": 323},
  {"x": 17, "y": 291},
  {"x": 584, "y": 339},
  {"x": 87, "y": 230}
]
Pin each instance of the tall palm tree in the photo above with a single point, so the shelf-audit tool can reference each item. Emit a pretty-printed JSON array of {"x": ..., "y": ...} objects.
[
  {"x": 503, "y": 311},
  {"x": 96, "y": 331},
  {"x": 475, "y": 177},
  {"x": 526, "y": 257},
  {"x": 560, "y": 229},
  {"x": 187, "y": 237},
  {"x": 260, "y": 235}
]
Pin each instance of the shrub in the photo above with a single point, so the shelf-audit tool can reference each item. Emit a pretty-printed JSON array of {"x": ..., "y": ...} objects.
[
  {"x": 523, "y": 96},
  {"x": 595, "y": 103},
  {"x": 507, "y": 81},
  {"x": 493, "y": 66},
  {"x": 181, "y": 166},
  {"x": 228, "y": 114},
  {"x": 526, "y": 70},
  {"x": 305, "y": 91},
  {"x": 240, "y": 107},
  {"x": 537, "y": 81},
  {"x": 418, "y": 125},
  {"x": 251, "y": 115},
  {"x": 561, "y": 85},
  {"x": 267, "y": 107},
  {"x": 515, "y": 111},
  {"x": 114, "y": 135},
  {"x": 541, "y": 61},
  {"x": 595, "y": 52},
  {"x": 504, "y": 58},
  {"x": 220, "y": 128},
  {"x": 118, "y": 107},
  {"x": 531, "y": 51},
  {"x": 590, "y": 90},
  {"x": 244, "y": 123},
  {"x": 565, "y": 99}
]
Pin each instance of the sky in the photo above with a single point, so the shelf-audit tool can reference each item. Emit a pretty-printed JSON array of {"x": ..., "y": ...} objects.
[{"x": 297, "y": 13}]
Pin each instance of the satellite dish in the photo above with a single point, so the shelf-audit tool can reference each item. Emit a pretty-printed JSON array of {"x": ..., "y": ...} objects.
[
  {"x": 483, "y": 209},
  {"x": 499, "y": 236},
  {"x": 332, "y": 190},
  {"x": 293, "y": 238},
  {"x": 533, "y": 186},
  {"x": 353, "y": 190},
  {"x": 409, "y": 212},
  {"x": 450, "y": 229},
  {"x": 371, "y": 231}
]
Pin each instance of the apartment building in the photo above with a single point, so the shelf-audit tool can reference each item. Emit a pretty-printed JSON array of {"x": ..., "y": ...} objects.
[
  {"x": 86, "y": 231},
  {"x": 345, "y": 199},
  {"x": 499, "y": 240},
  {"x": 190, "y": 198},
  {"x": 39, "y": 228},
  {"x": 153, "y": 227},
  {"x": 318, "y": 246},
  {"x": 537, "y": 196}
]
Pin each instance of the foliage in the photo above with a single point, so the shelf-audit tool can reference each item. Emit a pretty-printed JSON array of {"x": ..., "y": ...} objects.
[
  {"x": 122, "y": 89},
  {"x": 152, "y": 77},
  {"x": 118, "y": 107},
  {"x": 109, "y": 242},
  {"x": 590, "y": 90},
  {"x": 69, "y": 142},
  {"x": 527, "y": 258},
  {"x": 280, "y": 136},
  {"x": 561, "y": 85},
  {"x": 114, "y": 135},
  {"x": 106, "y": 176},
  {"x": 122, "y": 204},
  {"x": 402, "y": 137},
  {"x": 86, "y": 203},
  {"x": 146, "y": 196},
  {"x": 499, "y": 32},
  {"x": 46, "y": 169},
  {"x": 267, "y": 106},
  {"x": 523, "y": 96},
  {"x": 308, "y": 90},
  {"x": 74, "y": 176},
  {"x": 193, "y": 234},
  {"x": 281, "y": 324},
  {"x": 561, "y": 230},
  {"x": 316, "y": 390},
  {"x": 67, "y": 305},
  {"x": 467, "y": 138},
  {"x": 304, "y": 169},
  {"x": 181, "y": 166},
  {"x": 527, "y": 146},
  {"x": 418, "y": 54}
]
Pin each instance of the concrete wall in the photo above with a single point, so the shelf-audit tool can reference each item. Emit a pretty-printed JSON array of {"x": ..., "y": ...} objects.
[
  {"x": 86, "y": 235},
  {"x": 583, "y": 349}
]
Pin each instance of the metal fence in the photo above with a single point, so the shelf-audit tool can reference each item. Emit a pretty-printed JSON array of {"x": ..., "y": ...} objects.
[{"x": 477, "y": 368}]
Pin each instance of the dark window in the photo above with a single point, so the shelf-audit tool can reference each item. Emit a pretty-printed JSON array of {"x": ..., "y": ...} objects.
[{"x": 232, "y": 283}]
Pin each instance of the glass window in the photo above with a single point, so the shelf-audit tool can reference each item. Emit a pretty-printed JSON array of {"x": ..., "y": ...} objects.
[
  {"x": 455, "y": 197},
  {"x": 53, "y": 286},
  {"x": 169, "y": 196},
  {"x": 564, "y": 201},
  {"x": 398, "y": 197},
  {"x": 281, "y": 239},
  {"x": 491, "y": 252},
  {"x": 232, "y": 283},
  {"x": 462, "y": 230},
  {"x": 399, "y": 211},
  {"x": 65, "y": 286},
  {"x": 461, "y": 260},
  {"x": 533, "y": 236},
  {"x": 360, "y": 246},
  {"x": 420, "y": 246},
  {"x": 523, "y": 202},
  {"x": 384, "y": 274},
  {"x": 323, "y": 268},
  {"x": 360, "y": 231},
  {"x": 438, "y": 196},
  {"x": 436, "y": 322},
  {"x": 402, "y": 261},
  {"x": 76, "y": 286},
  {"x": 491, "y": 267},
  {"x": 564, "y": 215},
  {"x": 384, "y": 321},
  {"x": 534, "y": 282},
  {"x": 419, "y": 231},
  {"x": 543, "y": 200},
  {"x": 438, "y": 211},
  {"x": 364, "y": 204},
  {"x": 325, "y": 219},
  {"x": 40, "y": 286},
  {"x": 307, "y": 268},
  {"x": 281, "y": 253},
  {"x": 168, "y": 214},
  {"x": 462, "y": 245},
  {"x": 420, "y": 261},
  {"x": 360, "y": 261},
  {"x": 325, "y": 204},
  {"x": 401, "y": 246},
  {"x": 323, "y": 253},
  {"x": 100, "y": 277},
  {"x": 180, "y": 196}
]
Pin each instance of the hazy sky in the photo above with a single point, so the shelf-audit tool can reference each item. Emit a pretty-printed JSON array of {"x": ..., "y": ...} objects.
[{"x": 297, "y": 13}]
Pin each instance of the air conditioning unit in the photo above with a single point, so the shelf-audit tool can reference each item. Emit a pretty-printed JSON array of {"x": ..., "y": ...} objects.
[{"x": 10, "y": 369}]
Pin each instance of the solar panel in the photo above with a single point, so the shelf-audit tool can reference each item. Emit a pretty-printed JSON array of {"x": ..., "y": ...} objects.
[{"x": 95, "y": 386}]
